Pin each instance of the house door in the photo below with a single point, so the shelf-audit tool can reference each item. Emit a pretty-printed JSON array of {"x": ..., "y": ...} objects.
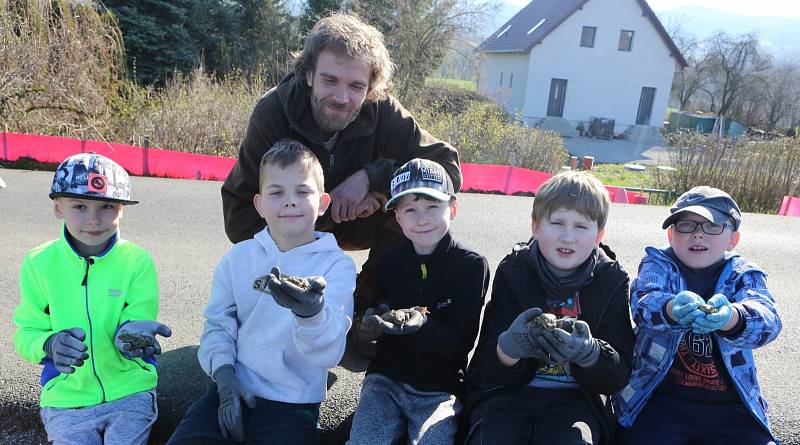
[
  {"x": 555, "y": 103},
  {"x": 645, "y": 106}
]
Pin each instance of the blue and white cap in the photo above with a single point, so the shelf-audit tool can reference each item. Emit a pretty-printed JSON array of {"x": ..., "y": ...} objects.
[
  {"x": 92, "y": 176},
  {"x": 420, "y": 176}
]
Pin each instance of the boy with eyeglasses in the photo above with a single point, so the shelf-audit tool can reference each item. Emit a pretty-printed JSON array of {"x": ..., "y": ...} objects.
[{"x": 700, "y": 310}]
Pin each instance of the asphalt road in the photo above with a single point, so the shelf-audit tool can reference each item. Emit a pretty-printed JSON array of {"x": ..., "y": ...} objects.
[{"x": 180, "y": 223}]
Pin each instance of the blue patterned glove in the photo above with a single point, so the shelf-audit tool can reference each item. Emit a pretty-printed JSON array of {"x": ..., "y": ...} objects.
[
  {"x": 713, "y": 322},
  {"x": 684, "y": 307}
]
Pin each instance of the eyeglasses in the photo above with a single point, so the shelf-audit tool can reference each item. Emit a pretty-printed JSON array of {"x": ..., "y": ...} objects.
[{"x": 709, "y": 228}]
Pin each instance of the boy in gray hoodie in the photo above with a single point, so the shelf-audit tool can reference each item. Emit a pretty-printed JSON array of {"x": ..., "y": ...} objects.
[{"x": 271, "y": 335}]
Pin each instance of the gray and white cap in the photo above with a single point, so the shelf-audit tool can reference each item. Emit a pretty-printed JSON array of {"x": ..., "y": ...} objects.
[
  {"x": 92, "y": 176},
  {"x": 420, "y": 176}
]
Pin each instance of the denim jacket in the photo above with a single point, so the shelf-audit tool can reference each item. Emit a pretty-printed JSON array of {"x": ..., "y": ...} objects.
[{"x": 657, "y": 339}]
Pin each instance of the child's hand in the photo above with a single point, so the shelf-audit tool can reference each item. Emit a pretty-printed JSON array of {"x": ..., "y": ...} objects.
[
  {"x": 579, "y": 347},
  {"x": 519, "y": 340},
  {"x": 416, "y": 318},
  {"x": 370, "y": 327},
  {"x": 714, "y": 321},
  {"x": 137, "y": 338},
  {"x": 304, "y": 303},
  {"x": 67, "y": 349},
  {"x": 685, "y": 307},
  {"x": 231, "y": 393}
]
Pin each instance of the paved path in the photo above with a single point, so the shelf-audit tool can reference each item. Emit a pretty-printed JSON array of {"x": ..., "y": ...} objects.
[
  {"x": 180, "y": 222},
  {"x": 617, "y": 151}
]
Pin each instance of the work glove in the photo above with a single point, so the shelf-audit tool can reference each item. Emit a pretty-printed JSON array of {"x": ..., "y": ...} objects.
[
  {"x": 579, "y": 347},
  {"x": 519, "y": 340},
  {"x": 137, "y": 338},
  {"x": 370, "y": 328},
  {"x": 412, "y": 325},
  {"x": 715, "y": 321},
  {"x": 67, "y": 349},
  {"x": 684, "y": 308},
  {"x": 302, "y": 302},
  {"x": 231, "y": 393}
]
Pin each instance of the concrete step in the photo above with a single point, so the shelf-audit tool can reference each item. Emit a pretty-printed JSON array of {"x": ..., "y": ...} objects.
[
  {"x": 645, "y": 135},
  {"x": 559, "y": 125}
]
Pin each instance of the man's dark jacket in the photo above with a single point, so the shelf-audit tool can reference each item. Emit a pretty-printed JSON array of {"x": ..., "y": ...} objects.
[
  {"x": 605, "y": 308},
  {"x": 381, "y": 138}
]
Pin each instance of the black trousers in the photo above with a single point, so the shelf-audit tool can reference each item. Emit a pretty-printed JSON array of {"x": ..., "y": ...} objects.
[
  {"x": 269, "y": 423},
  {"x": 533, "y": 416}
]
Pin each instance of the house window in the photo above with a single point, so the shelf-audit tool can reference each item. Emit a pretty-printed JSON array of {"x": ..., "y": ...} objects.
[
  {"x": 587, "y": 36},
  {"x": 625, "y": 40},
  {"x": 511, "y": 80},
  {"x": 501, "y": 78}
]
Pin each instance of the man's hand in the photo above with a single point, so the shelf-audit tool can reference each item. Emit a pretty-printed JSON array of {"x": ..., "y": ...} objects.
[
  {"x": 371, "y": 204},
  {"x": 67, "y": 349},
  {"x": 685, "y": 307},
  {"x": 137, "y": 338},
  {"x": 231, "y": 393},
  {"x": 412, "y": 325},
  {"x": 347, "y": 196},
  {"x": 304, "y": 303},
  {"x": 518, "y": 341},
  {"x": 579, "y": 347},
  {"x": 717, "y": 320},
  {"x": 370, "y": 328}
]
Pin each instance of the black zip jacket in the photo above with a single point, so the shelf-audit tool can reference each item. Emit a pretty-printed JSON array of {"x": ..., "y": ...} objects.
[
  {"x": 381, "y": 138},
  {"x": 604, "y": 307},
  {"x": 452, "y": 284}
]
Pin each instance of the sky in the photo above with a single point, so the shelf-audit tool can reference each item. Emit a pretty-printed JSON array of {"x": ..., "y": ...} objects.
[{"x": 779, "y": 8}]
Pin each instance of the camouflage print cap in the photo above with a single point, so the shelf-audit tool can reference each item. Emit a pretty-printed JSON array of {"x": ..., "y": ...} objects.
[{"x": 92, "y": 176}]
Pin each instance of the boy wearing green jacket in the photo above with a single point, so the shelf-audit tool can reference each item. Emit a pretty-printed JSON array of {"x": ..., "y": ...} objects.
[{"x": 88, "y": 303}]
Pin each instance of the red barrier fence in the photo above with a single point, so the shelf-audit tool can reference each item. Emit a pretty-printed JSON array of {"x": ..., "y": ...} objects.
[{"x": 176, "y": 164}]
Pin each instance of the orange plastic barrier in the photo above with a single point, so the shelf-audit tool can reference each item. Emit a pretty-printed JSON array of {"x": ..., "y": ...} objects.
[
  {"x": 137, "y": 160},
  {"x": 176, "y": 164},
  {"x": 790, "y": 206}
]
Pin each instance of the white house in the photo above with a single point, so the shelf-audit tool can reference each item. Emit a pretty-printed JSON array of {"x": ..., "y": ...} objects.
[{"x": 558, "y": 63}]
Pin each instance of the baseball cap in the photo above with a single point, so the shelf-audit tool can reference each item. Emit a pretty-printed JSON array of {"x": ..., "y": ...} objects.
[
  {"x": 711, "y": 203},
  {"x": 92, "y": 176},
  {"x": 420, "y": 176}
]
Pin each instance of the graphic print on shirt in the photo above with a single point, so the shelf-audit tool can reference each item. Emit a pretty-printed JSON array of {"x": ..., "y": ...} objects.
[
  {"x": 569, "y": 307},
  {"x": 694, "y": 365}
]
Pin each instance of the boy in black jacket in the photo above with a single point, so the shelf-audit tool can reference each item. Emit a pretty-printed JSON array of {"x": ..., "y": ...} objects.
[
  {"x": 439, "y": 287},
  {"x": 534, "y": 385}
]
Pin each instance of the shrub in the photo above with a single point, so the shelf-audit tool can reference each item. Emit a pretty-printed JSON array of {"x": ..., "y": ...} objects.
[{"x": 756, "y": 173}]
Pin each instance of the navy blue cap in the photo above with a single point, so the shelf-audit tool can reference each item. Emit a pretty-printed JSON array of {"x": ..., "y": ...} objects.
[
  {"x": 711, "y": 203},
  {"x": 420, "y": 176}
]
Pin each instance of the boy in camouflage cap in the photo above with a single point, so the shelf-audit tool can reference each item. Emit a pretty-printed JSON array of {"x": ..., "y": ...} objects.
[{"x": 88, "y": 303}]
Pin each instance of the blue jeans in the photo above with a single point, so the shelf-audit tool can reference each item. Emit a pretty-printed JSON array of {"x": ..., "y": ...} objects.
[
  {"x": 671, "y": 421},
  {"x": 389, "y": 411},
  {"x": 269, "y": 423},
  {"x": 126, "y": 421},
  {"x": 534, "y": 416}
]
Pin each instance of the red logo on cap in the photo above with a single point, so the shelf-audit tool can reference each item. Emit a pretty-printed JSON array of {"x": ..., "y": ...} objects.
[{"x": 97, "y": 183}]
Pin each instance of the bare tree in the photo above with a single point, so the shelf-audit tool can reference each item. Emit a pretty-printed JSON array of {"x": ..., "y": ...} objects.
[
  {"x": 736, "y": 62},
  {"x": 420, "y": 32},
  {"x": 782, "y": 93},
  {"x": 688, "y": 81}
]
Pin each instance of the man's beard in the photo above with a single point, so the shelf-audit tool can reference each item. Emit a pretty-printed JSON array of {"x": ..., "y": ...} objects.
[{"x": 330, "y": 123}]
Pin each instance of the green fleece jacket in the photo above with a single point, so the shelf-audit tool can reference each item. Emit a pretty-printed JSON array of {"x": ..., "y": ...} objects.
[{"x": 59, "y": 290}]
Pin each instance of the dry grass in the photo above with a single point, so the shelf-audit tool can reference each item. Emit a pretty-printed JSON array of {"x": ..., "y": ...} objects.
[{"x": 757, "y": 173}]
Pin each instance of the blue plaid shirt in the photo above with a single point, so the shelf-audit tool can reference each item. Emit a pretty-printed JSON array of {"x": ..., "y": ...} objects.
[{"x": 657, "y": 339}]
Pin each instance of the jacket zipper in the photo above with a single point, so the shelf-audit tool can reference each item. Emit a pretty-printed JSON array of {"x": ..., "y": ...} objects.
[
  {"x": 331, "y": 161},
  {"x": 85, "y": 284}
]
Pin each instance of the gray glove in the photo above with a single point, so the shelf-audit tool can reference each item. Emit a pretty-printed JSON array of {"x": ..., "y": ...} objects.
[
  {"x": 518, "y": 341},
  {"x": 370, "y": 329},
  {"x": 67, "y": 349},
  {"x": 412, "y": 325},
  {"x": 231, "y": 393},
  {"x": 137, "y": 338},
  {"x": 579, "y": 347},
  {"x": 303, "y": 302}
]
